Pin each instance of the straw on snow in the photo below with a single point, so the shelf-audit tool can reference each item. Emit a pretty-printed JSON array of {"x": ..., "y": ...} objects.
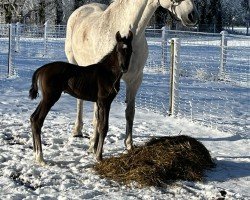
[{"x": 159, "y": 161}]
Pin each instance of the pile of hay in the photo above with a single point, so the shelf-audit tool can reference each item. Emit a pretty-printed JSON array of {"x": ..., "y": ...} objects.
[{"x": 159, "y": 161}]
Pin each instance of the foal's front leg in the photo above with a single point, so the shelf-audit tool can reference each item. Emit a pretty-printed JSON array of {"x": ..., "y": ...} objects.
[
  {"x": 95, "y": 137},
  {"x": 102, "y": 126}
]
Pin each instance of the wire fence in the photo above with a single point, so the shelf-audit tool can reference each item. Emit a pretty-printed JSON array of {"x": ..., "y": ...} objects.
[
  {"x": 214, "y": 85},
  {"x": 214, "y": 73},
  {"x": 4, "y": 41}
]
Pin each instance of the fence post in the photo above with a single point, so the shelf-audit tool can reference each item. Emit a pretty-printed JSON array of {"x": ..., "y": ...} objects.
[
  {"x": 18, "y": 34},
  {"x": 45, "y": 36},
  {"x": 164, "y": 48},
  {"x": 223, "y": 56},
  {"x": 174, "y": 76},
  {"x": 10, "y": 55},
  {"x": 247, "y": 33}
]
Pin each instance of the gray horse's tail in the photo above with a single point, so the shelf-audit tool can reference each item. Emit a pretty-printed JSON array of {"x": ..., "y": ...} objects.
[{"x": 33, "y": 93}]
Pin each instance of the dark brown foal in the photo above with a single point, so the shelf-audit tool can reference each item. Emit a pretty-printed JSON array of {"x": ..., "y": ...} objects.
[{"x": 98, "y": 83}]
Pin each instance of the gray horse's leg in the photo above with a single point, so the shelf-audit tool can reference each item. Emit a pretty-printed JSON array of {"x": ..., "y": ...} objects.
[
  {"x": 131, "y": 91},
  {"x": 130, "y": 113},
  {"x": 77, "y": 132}
]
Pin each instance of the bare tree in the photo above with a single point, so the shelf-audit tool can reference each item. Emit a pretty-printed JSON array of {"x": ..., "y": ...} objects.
[
  {"x": 30, "y": 11},
  {"x": 47, "y": 11},
  {"x": 59, "y": 11},
  {"x": 13, "y": 11},
  {"x": 79, "y": 3}
]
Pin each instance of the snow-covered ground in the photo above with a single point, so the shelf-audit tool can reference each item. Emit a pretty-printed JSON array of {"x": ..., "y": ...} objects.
[{"x": 69, "y": 174}]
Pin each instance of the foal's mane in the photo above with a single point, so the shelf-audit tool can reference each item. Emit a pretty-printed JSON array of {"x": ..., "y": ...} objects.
[{"x": 105, "y": 57}]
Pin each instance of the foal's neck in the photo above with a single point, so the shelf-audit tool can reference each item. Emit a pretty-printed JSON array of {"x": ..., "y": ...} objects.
[{"x": 110, "y": 62}]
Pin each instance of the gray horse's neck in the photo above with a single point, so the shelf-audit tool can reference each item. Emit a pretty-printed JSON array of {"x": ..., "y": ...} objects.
[
  {"x": 147, "y": 14},
  {"x": 135, "y": 14}
]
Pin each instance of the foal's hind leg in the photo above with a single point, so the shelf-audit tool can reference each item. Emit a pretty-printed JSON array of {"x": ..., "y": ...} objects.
[
  {"x": 36, "y": 134},
  {"x": 37, "y": 119}
]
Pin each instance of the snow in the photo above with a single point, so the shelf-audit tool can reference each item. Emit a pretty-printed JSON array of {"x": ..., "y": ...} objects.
[{"x": 69, "y": 174}]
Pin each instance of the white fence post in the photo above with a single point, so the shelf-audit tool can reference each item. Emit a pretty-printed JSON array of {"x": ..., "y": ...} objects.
[
  {"x": 18, "y": 34},
  {"x": 45, "y": 36},
  {"x": 223, "y": 56},
  {"x": 174, "y": 76},
  {"x": 10, "y": 50},
  {"x": 164, "y": 48}
]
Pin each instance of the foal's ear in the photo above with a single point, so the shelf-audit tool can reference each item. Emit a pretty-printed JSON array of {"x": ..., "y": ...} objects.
[
  {"x": 118, "y": 36},
  {"x": 130, "y": 35}
]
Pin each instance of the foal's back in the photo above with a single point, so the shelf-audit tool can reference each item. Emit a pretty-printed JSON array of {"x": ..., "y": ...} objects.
[
  {"x": 65, "y": 70},
  {"x": 79, "y": 82}
]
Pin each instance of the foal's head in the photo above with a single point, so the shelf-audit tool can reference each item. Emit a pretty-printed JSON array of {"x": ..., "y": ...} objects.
[{"x": 124, "y": 50}]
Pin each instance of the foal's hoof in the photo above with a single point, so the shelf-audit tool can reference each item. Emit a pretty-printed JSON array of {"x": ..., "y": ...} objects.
[
  {"x": 81, "y": 135},
  {"x": 77, "y": 134}
]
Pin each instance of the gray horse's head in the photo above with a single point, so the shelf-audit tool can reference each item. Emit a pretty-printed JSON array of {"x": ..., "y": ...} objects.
[{"x": 185, "y": 10}]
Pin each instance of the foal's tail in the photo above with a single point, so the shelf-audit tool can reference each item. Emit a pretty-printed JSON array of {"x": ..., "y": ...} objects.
[{"x": 33, "y": 93}]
